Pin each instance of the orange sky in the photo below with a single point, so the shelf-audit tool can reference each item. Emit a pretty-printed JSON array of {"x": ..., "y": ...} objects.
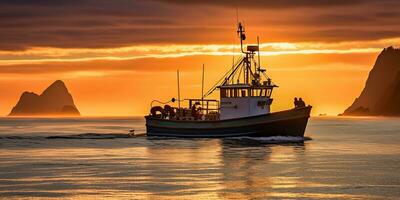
[{"x": 116, "y": 57}]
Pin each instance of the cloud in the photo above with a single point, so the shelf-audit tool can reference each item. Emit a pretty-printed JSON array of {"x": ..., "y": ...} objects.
[
  {"x": 337, "y": 66},
  {"x": 269, "y": 4},
  {"x": 168, "y": 57},
  {"x": 26, "y": 24},
  {"x": 45, "y": 55}
]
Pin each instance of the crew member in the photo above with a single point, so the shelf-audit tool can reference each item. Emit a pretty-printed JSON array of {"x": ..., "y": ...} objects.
[
  {"x": 296, "y": 102},
  {"x": 195, "y": 111},
  {"x": 302, "y": 103}
]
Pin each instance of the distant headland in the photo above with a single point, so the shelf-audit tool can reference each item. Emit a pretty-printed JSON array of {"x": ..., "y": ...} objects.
[
  {"x": 381, "y": 94},
  {"x": 55, "y": 100}
]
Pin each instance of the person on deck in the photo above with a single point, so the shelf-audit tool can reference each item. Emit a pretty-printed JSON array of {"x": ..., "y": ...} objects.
[
  {"x": 296, "y": 102},
  {"x": 195, "y": 111},
  {"x": 302, "y": 103}
]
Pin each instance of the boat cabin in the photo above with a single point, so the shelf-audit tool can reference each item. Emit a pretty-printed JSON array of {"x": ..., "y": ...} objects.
[{"x": 239, "y": 100}]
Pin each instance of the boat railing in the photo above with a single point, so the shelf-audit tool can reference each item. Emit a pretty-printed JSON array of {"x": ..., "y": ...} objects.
[
  {"x": 206, "y": 105},
  {"x": 198, "y": 109},
  {"x": 189, "y": 109}
]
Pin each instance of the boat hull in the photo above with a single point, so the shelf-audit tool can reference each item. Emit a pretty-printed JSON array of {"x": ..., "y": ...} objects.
[{"x": 284, "y": 123}]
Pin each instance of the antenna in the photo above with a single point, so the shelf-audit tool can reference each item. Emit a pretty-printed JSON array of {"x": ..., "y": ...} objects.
[
  {"x": 237, "y": 15},
  {"x": 240, "y": 30},
  {"x": 241, "y": 34},
  {"x": 233, "y": 47}
]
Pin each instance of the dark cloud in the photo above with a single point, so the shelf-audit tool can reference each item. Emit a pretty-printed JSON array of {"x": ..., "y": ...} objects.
[
  {"x": 338, "y": 20},
  {"x": 273, "y": 4},
  {"x": 105, "y": 23},
  {"x": 351, "y": 34},
  {"x": 143, "y": 64},
  {"x": 101, "y": 37}
]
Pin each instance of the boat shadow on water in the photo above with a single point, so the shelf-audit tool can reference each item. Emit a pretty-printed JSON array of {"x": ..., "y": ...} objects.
[
  {"x": 238, "y": 142},
  {"x": 262, "y": 141}
]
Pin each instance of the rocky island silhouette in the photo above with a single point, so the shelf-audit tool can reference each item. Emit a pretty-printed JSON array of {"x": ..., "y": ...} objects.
[
  {"x": 54, "y": 101},
  {"x": 381, "y": 94}
]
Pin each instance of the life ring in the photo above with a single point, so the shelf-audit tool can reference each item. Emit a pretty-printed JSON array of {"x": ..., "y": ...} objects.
[{"x": 156, "y": 109}]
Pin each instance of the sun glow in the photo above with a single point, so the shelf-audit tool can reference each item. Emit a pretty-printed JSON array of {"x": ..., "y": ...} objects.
[
  {"x": 38, "y": 55},
  {"x": 132, "y": 76}
]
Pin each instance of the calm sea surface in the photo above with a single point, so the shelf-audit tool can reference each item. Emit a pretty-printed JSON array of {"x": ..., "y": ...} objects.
[{"x": 88, "y": 158}]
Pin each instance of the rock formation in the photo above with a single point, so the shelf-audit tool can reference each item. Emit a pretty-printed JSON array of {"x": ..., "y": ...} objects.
[
  {"x": 381, "y": 94},
  {"x": 55, "y": 100}
]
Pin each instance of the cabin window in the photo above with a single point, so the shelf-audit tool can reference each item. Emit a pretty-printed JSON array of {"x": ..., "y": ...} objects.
[
  {"x": 260, "y": 92},
  {"x": 256, "y": 92},
  {"x": 235, "y": 92},
  {"x": 223, "y": 93},
  {"x": 243, "y": 93},
  {"x": 269, "y": 91},
  {"x": 227, "y": 93}
]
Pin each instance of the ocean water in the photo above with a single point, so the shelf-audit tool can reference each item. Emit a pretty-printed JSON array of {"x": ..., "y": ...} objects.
[{"x": 94, "y": 158}]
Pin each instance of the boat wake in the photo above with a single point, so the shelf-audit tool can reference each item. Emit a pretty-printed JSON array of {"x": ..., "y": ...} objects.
[
  {"x": 273, "y": 139},
  {"x": 76, "y": 136},
  {"x": 92, "y": 136},
  {"x": 95, "y": 136}
]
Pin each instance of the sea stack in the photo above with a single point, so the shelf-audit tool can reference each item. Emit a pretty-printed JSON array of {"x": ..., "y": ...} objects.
[
  {"x": 54, "y": 101},
  {"x": 381, "y": 94}
]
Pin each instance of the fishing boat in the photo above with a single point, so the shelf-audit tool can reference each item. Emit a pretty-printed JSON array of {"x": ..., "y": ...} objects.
[{"x": 243, "y": 108}]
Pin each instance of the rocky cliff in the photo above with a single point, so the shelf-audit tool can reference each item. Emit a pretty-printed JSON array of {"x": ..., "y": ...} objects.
[
  {"x": 381, "y": 94},
  {"x": 55, "y": 100}
]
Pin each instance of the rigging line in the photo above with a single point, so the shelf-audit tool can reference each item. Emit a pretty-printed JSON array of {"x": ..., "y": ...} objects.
[
  {"x": 224, "y": 78},
  {"x": 232, "y": 74},
  {"x": 267, "y": 77},
  {"x": 233, "y": 58},
  {"x": 240, "y": 73},
  {"x": 230, "y": 71}
]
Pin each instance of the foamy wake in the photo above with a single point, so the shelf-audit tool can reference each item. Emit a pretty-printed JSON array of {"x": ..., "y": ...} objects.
[
  {"x": 91, "y": 136},
  {"x": 274, "y": 139},
  {"x": 76, "y": 136}
]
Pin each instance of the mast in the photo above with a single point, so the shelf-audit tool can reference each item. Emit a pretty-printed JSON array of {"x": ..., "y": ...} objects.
[
  {"x": 242, "y": 36},
  {"x": 259, "y": 61},
  {"x": 242, "y": 70},
  {"x": 202, "y": 88},
  {"x": 179, "y": 92}
]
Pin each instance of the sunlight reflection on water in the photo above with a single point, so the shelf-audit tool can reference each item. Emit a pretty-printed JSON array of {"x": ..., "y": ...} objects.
[{"x": 346, "y": 159}]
